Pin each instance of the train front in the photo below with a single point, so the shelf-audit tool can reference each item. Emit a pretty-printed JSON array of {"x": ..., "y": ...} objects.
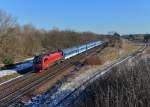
[{"x": 37, "y": 63}]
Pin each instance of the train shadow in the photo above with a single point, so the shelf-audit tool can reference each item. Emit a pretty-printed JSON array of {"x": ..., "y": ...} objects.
[
  {"x": 9, "y": 66},
  {"x": 23, "y": 72},
  {"x": 77, "y": 65}
]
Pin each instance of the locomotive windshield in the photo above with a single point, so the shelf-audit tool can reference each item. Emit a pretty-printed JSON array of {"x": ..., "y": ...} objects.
[{"x": 37, "y": 60}]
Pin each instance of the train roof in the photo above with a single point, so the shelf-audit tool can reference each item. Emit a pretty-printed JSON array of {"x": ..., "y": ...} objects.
[{"x": 46, "y": 54}]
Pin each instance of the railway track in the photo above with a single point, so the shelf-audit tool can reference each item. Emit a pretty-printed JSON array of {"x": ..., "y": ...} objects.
[{"x": 15, "y": 89}]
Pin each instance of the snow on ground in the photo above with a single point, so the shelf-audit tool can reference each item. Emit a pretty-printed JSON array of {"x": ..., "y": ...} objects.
[
  {"x": 15, "y": 69},
  {"x": 29, "y": 59},
  {"x": 6, "y": 72},
  {"x": 69, "y": 87},
  {"x": 50, "y": 99}
]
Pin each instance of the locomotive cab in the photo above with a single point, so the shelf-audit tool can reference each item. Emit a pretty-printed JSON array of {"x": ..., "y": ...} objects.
[{"x": 37, "y": 63}]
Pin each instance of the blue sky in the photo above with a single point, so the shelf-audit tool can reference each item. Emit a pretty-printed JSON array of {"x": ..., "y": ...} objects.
[{"x": 100, "y": 16}]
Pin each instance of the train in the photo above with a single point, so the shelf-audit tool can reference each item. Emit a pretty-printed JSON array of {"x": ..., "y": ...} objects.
[{"x": 42, "y": 62}]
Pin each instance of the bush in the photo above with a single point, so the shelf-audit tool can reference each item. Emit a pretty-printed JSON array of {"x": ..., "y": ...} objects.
[
  {"x": 127, "y": 86},
  {"x": 8, "y": 60}
]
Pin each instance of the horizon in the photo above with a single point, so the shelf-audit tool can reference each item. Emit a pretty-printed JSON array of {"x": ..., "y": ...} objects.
[{"x": 124, "y": 17}]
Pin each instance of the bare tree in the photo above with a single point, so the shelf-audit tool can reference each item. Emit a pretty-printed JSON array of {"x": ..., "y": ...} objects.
[
  {"x": 7, "y": 24},
  {"x": 6, "y": 20}
]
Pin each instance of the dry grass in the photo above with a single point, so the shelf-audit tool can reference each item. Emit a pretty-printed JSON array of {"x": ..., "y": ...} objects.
[
  {"x": 109, "y": 54},
  {"x": 112, "y": 53},
  {"x": 21, "y": 58},
  {"x": 94, "y": 60},
  {"x": 5, "y": 78},
  {"x": 128, "y": 47},
  {"x": 147, "y": 50}
]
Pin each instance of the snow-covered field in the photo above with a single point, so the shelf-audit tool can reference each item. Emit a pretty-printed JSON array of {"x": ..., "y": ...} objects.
[{"x": 24, "y": 65}]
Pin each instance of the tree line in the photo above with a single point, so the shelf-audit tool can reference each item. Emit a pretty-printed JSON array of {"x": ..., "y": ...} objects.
[{"x": 19, "y": 42}]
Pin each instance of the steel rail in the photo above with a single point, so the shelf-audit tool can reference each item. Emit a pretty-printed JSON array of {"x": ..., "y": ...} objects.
[{"x": 12, "y": 95}]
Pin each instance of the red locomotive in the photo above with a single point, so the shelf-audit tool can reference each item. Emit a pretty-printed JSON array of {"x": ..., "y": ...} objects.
[{"x": 42, "y": 62}]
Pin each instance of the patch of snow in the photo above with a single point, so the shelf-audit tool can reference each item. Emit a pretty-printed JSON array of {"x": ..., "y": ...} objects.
[
  {"x": 29, "y": 59},
  {"x": 19, "y": 67},
  {"x": 6, "y": 72},
  {"x": 63, "y": 91}
]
